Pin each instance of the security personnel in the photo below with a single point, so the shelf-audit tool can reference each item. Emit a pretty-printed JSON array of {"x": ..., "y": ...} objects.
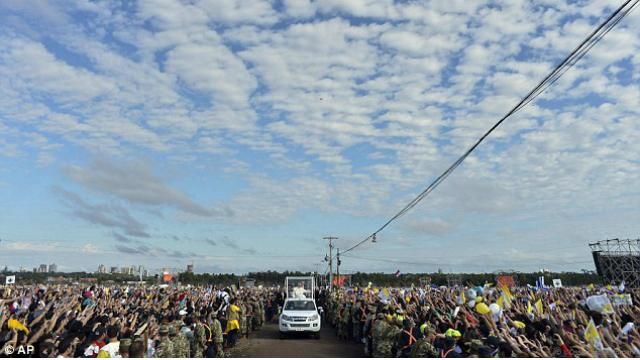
[
  {"x": 424, "y": 348},
  {"x": 382, "y": 341},
  {"x": 408, "y": 338},
  {"x": 243, "y": 321},
  {"x": 218, "y": 336},
  {"x": 180, "y": 342},
  {"x": 356, "y": 314},
  {"x": 165, "y": 348},
  {"x": 199, "y": 338}
]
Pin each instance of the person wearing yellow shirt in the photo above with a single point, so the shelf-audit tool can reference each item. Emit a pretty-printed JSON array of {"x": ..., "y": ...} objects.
[
  {"x": 112, "y": 348},
  {"x": 233, "y": 323}
]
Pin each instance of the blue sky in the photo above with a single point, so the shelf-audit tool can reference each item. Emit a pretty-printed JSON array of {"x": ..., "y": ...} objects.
[{"x": 235, "y": 135}]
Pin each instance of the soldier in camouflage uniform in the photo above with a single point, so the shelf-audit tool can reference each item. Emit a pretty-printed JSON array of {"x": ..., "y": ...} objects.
[
  {"x": 377, "y": 332},
  {"x": 261, "y": 318},
  {"x": 165, "y": 348},
  {"x": 424, "y": 349},
  {"x": 218, "y": 336},
  {"x": 332, "y": 311},
  {"x": 341, "y": 322},
  {"x": 384, "y": 334},
  {"x": 255, "y": 313},
  {"x": 248, "y": 312},
  {"x": 357, "y": 319},
  {"x": 181, "y": 346},
  {"x": 368, "y": 330},
  {"x": 200, "y": 339},
  {"x": 243, "y": 320}
]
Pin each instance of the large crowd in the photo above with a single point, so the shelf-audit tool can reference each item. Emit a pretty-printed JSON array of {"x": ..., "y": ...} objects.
[
  {"x": 488, "y": 321},
  {"x": 129, "y": 321},
  {"x": 481, "y": 321}
]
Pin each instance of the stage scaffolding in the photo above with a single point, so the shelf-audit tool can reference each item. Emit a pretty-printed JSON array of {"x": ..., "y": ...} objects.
[{"x": 618, "y": 260}]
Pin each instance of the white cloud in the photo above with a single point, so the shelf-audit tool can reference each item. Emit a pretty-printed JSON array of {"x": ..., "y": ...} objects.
[
  {"x": 215, "y": 70},
  {"x": 39, "y": 71},
  {"x": 299, "y": 8},
  {"x": 90, "y": 249},
  {"x": 240, "y": 12},
  {"x": 349, "y": 107},
  {"x": 31, "y": 246}
]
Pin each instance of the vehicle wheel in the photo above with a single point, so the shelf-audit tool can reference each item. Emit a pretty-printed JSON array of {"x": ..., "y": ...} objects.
[
  {"x": 317, "y": 335},
  {"x": 282, "y": 335}
]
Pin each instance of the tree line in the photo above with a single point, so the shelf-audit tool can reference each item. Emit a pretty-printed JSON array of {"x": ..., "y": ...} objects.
[{"x": 274, "y": 278}]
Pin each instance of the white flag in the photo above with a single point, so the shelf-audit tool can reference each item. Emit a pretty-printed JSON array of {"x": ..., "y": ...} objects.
[
  {"x": 10, "y": 280},
  {"x": 621, "y": 287}
]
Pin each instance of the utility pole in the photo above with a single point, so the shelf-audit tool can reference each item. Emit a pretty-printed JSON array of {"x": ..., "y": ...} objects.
[
  {"x": 338, "y": 266},
  {"x": 330, "y": 238}
]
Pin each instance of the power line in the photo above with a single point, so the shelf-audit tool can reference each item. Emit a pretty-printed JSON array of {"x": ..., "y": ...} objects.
[
  {"x": 401, "y": 262},
  {"x": 577, "y": 54}
]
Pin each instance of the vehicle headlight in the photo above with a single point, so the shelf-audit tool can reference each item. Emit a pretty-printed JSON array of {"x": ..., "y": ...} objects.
[
  {"x": 286, "y": 318},
  {"x": 313, "y": 317}
]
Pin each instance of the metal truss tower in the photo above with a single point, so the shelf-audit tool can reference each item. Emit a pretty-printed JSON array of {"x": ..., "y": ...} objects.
[{"x": 618, "y": 260}]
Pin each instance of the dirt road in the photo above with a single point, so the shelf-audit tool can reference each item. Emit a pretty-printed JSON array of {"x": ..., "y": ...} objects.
[{"x": 267, "y": 343}]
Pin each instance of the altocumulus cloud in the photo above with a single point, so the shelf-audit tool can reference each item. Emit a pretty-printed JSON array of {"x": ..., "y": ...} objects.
[{"x": 322, "y": 109}]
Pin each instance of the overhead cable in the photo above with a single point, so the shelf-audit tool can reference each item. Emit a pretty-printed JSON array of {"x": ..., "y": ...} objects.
[{"x": 578, "y": 53}]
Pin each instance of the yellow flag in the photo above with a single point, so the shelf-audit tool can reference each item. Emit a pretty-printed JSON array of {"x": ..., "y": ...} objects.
[
  {"x": 592, "y": 336},
  {"x": 462, "y": 297},
  {"x": 519, "y": 324},
  {"x": 385, "y": 291},
  {"x": 539, "y": 308},
  {"x": 591, "y": 287},
  {"x": 506, "y": 294},
  {"x": 529, "y": 308},
  {"x": 17, "y": 325},
  {"x": 501, "y": 301}
]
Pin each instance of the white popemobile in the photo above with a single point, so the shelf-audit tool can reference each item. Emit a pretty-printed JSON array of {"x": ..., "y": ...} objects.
[{"x": 299, "y": 313}]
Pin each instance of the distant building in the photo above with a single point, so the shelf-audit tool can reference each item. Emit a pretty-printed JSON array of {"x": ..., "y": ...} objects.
[
  {"x": 114, "y": 270},
  {"x": 42, "y": 268},
  {"x": 128, "y": 270},
  {"x": 190, "y": 268},
  {"x": 142, "y": 271},
  {"x": 35, "y": 270},
  {"x": 102, "y": 269},
  {"x": 53, "y": 268}
]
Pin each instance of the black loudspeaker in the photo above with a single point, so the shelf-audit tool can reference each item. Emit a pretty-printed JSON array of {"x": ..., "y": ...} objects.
[{"x": 596, "y": 261}]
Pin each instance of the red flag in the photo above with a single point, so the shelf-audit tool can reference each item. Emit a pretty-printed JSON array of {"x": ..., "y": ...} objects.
[{"x": 397, "y": 274}]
